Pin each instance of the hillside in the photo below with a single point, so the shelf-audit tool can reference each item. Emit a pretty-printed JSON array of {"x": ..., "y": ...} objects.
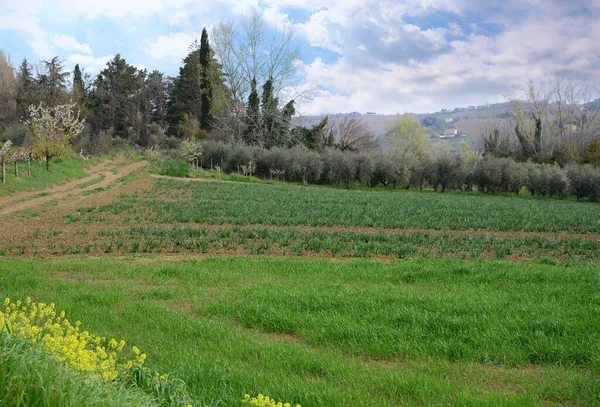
[{"x": 470, "y": 122}]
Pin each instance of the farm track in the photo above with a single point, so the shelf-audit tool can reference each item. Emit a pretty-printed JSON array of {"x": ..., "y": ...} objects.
[{"x": 73, "y": 189}]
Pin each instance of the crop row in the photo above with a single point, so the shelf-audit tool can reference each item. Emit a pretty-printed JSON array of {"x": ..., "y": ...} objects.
[
  {"x": 298, "y": 242},
  {"x": 219, "y": 203}
]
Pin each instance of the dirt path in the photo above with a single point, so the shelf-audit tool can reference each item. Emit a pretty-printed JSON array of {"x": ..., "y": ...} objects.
[{"x": 73, "y": 189}]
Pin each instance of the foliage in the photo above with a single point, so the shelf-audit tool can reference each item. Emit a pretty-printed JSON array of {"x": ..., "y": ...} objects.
[
  {"x": 191, "y": 151},
  {"x": 53, "y": 129},
  {"x": 30, "y": 376},
  {"x": 82, "y": 350},
  {"x": 408, "y": 135}
]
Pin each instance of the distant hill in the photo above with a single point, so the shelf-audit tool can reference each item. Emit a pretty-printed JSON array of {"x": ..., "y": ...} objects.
[{"x": 470, "y": 122}]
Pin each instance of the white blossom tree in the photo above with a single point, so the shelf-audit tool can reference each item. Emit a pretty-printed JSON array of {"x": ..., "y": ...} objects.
[
  {"x": 53, "y": 128},
  {"x": 191, "y": 151}
]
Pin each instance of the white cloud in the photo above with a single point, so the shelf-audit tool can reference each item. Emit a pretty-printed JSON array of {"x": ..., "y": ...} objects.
[
  {"x": 88, "y": 62},
  {"x": 173, "y": 46},
  {"x": 474, "y": 70},
  {"x": 29, "y": 28},
  {"x": 69, "y": 43}
]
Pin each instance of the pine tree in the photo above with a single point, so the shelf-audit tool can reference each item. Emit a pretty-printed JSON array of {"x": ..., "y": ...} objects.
[
  {"x": 116, "y": 96},
  {"x": 25, "y": 89},
  {"x": 54, "y": 82}
]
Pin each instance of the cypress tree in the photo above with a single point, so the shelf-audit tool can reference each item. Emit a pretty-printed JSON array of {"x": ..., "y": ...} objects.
[
  {"x": 252, "y": 115},
  {"x": 206, "y": 119}
]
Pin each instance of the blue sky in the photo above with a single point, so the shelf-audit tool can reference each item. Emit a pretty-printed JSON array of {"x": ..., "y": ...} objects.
[{"x": 369, "y": 55}]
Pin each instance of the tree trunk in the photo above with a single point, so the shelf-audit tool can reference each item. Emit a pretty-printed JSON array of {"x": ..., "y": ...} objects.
[
  {"x": 47, "y": 164},
  {"x": 16, "y": 168},
  {"x": 29, "y": 166},
  {"x": 3, "y": 173}
]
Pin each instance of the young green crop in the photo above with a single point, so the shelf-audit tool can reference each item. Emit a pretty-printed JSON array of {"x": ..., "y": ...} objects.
[{"x": 172, "y": 201}]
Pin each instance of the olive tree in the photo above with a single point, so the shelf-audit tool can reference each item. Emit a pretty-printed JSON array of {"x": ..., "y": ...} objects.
[
  {"x": 304, "y": 165},
  {"x": 52, "y": 130}
]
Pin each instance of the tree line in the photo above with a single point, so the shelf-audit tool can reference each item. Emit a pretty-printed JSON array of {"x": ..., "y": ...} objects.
[{"x": 442, "y": 171}]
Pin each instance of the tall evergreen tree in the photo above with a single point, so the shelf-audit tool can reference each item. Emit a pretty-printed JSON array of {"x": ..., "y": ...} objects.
[
  {"x": 25, "y": 89},
  {"x": 252, "y": 116},
  {"x": 186, "y": 92},
  {"x": 115, "y": 97},
  {"x": 205, "y": 56},
  {"x": 53, "y": 82}
]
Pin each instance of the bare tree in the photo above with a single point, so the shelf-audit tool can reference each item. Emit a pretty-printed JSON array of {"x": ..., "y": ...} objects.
[
  {"x": 7, "y": 88},
  {"x": 252, "y": 51},
  {"x": 352, "y": 133},
  {"x": 530, "y": 110}
]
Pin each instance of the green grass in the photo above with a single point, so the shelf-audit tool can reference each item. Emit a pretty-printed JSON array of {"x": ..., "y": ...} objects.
[
  {"x": 30, "y": 377},
  {"x": 61, "y": 171},
  {"x": 342, "y": 333},
  {"x": 171, "y": 201}
]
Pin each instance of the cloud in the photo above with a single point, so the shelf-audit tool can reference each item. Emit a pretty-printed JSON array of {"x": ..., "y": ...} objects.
[
  {"x": 174, "y": 46},
  {"x": 88, "y": 62},
  {"x": 474, "y": 69},
  {"x": 69, "y": 43},
  {"x": 28, "y": 27}
]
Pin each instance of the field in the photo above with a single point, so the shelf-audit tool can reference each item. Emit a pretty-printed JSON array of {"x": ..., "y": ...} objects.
[{"x": 319, "y": 296}]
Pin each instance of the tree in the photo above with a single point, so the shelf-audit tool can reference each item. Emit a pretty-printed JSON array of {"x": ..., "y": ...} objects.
[
  {"x": 251, "y": 134},
  {"x": 530, "y": 118},
  {"x": 191, "y": 151},
  {"x": 352, "y": 134},
  {"x": 274, "y": 122},
  {"x": 53, "y": 82},
  {"x": 199, "y": 88},
  {"x": 4, "y": 158},
  {"x": 189, "y": 128},
  {"x": 206, "y": 119},
  {"x": 250, "y": 50},
  {"x": 115, "y": 97},
  {"x": 408, "y": 135},
  {"x": 25, "y": 89},
  {"x": 7, "y": 88},
  {"x": 52, "y": 129}
]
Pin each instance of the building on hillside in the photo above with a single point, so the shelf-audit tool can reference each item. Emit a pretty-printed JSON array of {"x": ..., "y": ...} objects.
[
  {"x": 448, "y": 119},
  {"x": 450, "y": 133},
  {"x": 370, "y": 113}
]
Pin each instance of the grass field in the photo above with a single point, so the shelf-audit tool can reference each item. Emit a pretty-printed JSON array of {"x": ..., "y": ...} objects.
[
  {"x": 324, "y": 297},
  {"x": 333, "y": 333},
  {"x": 61, "y": 170}
]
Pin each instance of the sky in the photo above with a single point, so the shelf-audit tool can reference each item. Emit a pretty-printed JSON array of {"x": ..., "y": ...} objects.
[{"x": 357, "y": 55}]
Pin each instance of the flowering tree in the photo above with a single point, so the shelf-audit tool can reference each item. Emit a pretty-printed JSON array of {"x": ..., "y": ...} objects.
[
  {"x": 52, "y": 129},
  {"x": 4, "y": 157},
  {"x": 191, "y": 150}
]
